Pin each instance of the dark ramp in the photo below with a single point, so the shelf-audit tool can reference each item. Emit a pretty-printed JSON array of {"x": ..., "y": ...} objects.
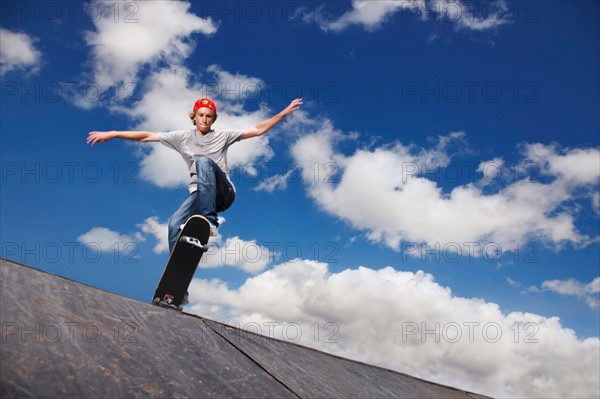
[
  {"x": 310, "y": 373},
  {"x": 64, "y": 339}
]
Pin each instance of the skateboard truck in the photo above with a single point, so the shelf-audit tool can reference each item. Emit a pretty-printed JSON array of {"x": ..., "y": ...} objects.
[
  {"x": 167, "y": 302},
  {"x": 193, "y": 242}
]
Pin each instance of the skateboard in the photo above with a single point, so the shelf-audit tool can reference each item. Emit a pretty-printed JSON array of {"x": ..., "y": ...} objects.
[{"x": 177, "y": 276}]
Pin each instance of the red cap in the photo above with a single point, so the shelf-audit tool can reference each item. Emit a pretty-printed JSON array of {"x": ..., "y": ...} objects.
[{"x": 205, "y": 103}]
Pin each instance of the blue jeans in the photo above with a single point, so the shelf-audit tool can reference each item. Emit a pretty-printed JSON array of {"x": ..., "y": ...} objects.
[{"x": 215, "y": 194}]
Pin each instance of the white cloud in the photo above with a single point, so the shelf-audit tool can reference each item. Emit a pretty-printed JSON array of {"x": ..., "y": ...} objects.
[
  {"x": 438, "y": 155},
  {"x": 491, "y": 170},
  {"x": 233, "y": 87},
  {"x": 108, "y": 240},
  {"x": 532, "y": 289},
  {"x": 512, "y": 283},
  {"x": 160, "y": 231},
  {"x": 163, "y": 100},
  {"x": 385, "y": 317},
  {"x": 579, "y": 166},
  {"x": 571, "y": 287},
  {"x": 248, "y": 256},
  {"x": 486, "y": 16},
  {"x": 276, "y": 182},
  {"x": 372, "y": 15},
  {"x": 156, "y": 31},
  {"x": 383, "y": 192},
  {"x": 18, "y": 51}
]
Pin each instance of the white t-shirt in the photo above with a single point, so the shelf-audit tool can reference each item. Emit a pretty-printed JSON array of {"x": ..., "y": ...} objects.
[{"x": 191, "y": 145}]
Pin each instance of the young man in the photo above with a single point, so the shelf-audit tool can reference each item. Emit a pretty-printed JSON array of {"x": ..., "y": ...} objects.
[{"x": 205, "y": 152}]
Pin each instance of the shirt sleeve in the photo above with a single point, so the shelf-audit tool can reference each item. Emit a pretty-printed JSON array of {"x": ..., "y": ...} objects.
[
  {"x": 234, "y": 136},
  {"x": 171, "y": 139}
]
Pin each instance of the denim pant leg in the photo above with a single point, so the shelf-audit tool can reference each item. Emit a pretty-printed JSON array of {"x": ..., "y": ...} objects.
[
  {"x": 181, "y": 215},
  {"x": 215, "y": 192}
]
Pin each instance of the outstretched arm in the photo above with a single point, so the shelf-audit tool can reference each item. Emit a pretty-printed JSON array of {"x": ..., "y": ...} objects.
[
  {"x": 266, "y": 125},
  {"x": 101, "y": 137}
]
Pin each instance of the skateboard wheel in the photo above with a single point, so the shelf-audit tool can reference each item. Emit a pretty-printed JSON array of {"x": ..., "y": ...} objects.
[{"x": 156, "y": 301}]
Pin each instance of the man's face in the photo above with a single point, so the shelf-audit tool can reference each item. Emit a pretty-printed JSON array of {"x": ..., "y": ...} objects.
[{"x": 204, "y": 119}]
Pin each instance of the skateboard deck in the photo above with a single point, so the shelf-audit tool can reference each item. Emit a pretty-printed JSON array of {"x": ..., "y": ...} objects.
[{"x": 177, "y": 276}]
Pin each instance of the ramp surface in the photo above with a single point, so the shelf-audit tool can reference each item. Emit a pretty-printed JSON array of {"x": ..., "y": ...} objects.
[{"x": 64, "y": 339}]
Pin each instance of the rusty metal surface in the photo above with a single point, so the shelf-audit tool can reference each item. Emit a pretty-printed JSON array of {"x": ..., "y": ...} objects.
[
  {"x": 63, "y": 339},
  {"x": 315, "y": 374}
]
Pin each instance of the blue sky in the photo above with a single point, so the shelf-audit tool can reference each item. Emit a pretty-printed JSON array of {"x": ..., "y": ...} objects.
[{"x": 443, "y": 171}]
